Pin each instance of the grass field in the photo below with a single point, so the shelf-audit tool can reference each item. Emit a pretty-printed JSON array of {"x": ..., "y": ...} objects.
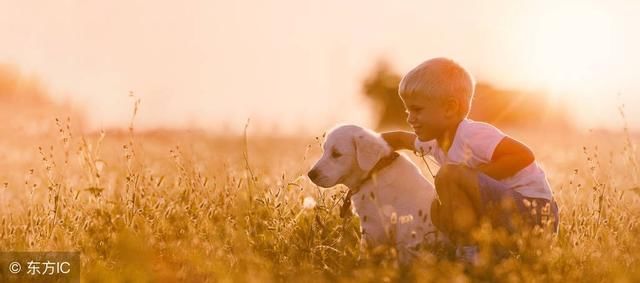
[{"x": 190, "y": 206}]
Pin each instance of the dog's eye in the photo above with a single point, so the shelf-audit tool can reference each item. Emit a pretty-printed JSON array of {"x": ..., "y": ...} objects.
[{"x": 335, "y": 154}]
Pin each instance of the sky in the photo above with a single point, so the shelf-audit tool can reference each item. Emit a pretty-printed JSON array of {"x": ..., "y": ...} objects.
[{"x": 294, "y": 65}]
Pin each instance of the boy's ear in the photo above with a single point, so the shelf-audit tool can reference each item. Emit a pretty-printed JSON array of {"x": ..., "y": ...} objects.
[
  {"x": 368, "y": 151},
  {"x": 452, "y": 107}
]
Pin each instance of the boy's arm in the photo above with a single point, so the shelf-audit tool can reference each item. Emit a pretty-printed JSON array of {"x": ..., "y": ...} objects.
[
  {"x": 509, "y": 157},
  {"x": 398, "y": 140}
]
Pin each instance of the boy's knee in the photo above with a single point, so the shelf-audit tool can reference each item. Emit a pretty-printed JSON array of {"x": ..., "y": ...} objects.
[
  {"x": 455, "y": 180},
  {"x": 450, "y": 180},
  {"x": 447, "y": 177},
  {"x": 451, "y": 173}
]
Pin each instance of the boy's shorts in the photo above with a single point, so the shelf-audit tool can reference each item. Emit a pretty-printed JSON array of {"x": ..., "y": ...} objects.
[{"x": 494, "y": 195}]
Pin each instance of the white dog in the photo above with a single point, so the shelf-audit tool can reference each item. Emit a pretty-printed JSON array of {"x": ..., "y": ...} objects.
[{"x": 389, "y": 194}]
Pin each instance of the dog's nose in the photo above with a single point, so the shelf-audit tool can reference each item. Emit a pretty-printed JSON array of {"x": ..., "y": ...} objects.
[{"x": 313, "y": 174}]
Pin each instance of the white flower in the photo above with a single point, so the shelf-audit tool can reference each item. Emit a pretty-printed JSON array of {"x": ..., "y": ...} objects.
[
  {"x": 406, "y": 219},
  {"x": 394, "y": 218},
  {"x": 99, "y": 165},
  {"x": 308, "y": 203}
]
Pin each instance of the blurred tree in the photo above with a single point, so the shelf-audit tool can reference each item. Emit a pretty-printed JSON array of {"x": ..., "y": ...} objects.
[
  {"x": 490, "y": 104},
  {"x": 381, "y": 86},
  {"x": 27, "y": 108}
]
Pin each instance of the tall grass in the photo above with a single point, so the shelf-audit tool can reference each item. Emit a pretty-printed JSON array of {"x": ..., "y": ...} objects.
[{"x": 195, "y": 207}]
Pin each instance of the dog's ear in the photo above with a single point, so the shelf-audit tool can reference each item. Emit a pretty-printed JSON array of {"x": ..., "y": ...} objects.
[{"x": 368, "y": 151}]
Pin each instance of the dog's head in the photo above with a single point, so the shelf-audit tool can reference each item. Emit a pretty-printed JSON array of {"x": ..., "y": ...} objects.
[{"x": 350, "y": 152}]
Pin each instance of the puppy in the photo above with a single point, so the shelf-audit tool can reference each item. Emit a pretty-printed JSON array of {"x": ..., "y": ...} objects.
[{"x": 389, "y": 194}]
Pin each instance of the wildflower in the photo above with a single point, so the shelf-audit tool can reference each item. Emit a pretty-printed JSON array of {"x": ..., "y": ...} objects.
[
  {"x": 404, "y": 219},
  {"x": 308, "y": 203},
  {"x": 99, "y": 165},
  {"x": 394, "y": 218}
]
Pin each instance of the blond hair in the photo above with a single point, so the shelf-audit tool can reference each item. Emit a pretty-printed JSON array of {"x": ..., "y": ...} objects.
[{"x": 440, "y": 78}]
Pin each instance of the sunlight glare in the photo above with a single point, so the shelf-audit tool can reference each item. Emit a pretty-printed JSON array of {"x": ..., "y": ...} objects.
[{"x": 574, "y": 46}]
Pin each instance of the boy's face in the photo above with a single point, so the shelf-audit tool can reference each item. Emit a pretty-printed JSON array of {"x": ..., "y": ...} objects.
[{"x": 429, "y": 117}]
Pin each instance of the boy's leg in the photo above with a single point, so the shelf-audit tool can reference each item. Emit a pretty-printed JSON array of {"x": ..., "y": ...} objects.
[
  {"x": 507, "y": 208},
  {"x": 530, "y": 212},
  {"x": 457, "y": 211}
]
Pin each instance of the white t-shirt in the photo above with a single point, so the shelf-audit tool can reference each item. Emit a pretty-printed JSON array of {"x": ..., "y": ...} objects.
[{"x": 473, "y": 145}]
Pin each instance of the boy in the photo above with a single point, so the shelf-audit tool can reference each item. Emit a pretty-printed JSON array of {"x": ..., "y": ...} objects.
[{"x": 482, "y": 169}]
